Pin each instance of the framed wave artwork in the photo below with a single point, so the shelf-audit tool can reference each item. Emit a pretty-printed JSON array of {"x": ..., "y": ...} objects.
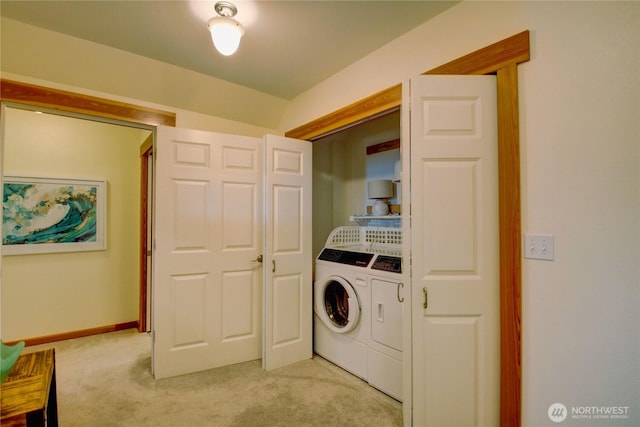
[{"x": 45, "y": 215}]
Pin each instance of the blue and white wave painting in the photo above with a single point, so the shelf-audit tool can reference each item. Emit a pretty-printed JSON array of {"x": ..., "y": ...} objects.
[{"x": 35, "y": 213}]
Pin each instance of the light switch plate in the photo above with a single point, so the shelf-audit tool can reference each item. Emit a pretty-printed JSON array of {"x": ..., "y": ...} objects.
[{"x": 539, "y": 246}]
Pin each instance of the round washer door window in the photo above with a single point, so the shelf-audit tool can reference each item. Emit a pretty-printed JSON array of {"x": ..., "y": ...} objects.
[{"x": 337, "y": 304}]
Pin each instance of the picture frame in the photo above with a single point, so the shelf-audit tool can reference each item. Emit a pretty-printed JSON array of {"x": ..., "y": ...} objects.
[{"x": 53, "y": 215}]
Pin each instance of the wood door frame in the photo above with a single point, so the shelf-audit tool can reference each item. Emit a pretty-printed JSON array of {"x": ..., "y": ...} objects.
[
  {"x": 70, "y": 102},
  {"x": 501, "y": 59},
  {"x": 146, "y": 151}
]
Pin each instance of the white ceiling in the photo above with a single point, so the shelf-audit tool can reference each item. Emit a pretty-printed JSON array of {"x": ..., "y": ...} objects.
[{"x": 288, "y": 46}]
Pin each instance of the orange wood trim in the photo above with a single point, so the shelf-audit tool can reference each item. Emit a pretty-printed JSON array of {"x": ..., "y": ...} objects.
[
  {"x": 144, "y": 202},
  {"x": 373, "y": 105},
  {"x": 510, "y": 246},
  {"x": 383, "y": 146},
  {"x": 39, "y": 96},
  {"x": 146, "y": 145},
  {"x": 489, "y": 59},
  {"x": 77, "y": 334}
]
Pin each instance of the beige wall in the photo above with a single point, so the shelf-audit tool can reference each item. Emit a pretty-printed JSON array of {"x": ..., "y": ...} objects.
[
  {"x": 340, "y": 174},
  {"x": 46, "y": 294},
  {"x": 580, "y": 165},
  {"x": 184, "y": 118},
  {"x": 47, "y": 55}
]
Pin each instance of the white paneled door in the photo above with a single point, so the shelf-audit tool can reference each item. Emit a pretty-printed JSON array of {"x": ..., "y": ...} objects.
[
  {"x": 209, "y": 237},
  {"x": 454, "y": 250},
  {"x": 288, "y": 291}
]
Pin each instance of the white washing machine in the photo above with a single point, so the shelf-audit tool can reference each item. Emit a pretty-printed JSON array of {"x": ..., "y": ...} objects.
[
  {"x": 341, "y": 309},
  {"x": 357, "y": 305}
]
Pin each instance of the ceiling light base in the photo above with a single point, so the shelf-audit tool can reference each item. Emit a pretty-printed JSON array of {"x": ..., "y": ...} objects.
[{"x": 224, "y": 8}]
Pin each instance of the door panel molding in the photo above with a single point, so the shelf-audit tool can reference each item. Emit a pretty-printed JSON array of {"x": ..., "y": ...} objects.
[{"x": 502, "y": 59}]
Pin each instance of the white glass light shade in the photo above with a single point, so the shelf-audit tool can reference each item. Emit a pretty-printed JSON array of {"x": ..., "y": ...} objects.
[{"x": 225, "y": 33}]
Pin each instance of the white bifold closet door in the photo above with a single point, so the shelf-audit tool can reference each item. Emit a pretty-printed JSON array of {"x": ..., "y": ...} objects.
[{"x": 450, "y": 147}]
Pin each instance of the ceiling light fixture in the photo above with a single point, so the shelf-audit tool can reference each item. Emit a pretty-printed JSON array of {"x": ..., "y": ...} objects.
[{"x": 225, "y": 31}]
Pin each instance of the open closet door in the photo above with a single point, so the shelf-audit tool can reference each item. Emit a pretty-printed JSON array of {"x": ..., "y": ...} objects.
[
  {"x": 288, "y": 286},
  {"x": 454, "y": 245},
  {"x": 208, "y": 235}
]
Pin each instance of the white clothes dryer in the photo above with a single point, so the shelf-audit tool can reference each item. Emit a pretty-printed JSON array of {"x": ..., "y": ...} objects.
[
  {"x": 341, "y": 309},
  {"x": 357, "y": 304},
  {"x": 384, "y": 357}
]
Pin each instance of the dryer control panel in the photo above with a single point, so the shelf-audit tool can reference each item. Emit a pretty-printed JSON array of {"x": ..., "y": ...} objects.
[
  {"x": 392, "y": 264},
  {"x": 359, "y": 259}
]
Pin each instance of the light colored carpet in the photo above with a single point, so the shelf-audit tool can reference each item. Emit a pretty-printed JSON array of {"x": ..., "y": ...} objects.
[{"x": 105, "y": 380}]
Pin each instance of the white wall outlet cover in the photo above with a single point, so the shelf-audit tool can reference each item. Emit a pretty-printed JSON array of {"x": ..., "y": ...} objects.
[{"x": 539, "y": 246}]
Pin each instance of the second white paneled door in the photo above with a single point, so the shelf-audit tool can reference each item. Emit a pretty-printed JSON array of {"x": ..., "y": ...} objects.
[{"x": 288, "y": 290}]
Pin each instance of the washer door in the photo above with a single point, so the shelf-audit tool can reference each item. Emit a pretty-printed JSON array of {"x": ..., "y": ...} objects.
[{"x": 337, "y": 304}]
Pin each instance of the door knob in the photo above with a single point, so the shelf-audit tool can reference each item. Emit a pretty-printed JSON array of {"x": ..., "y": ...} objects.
[{"x": 259, "y": 259}]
